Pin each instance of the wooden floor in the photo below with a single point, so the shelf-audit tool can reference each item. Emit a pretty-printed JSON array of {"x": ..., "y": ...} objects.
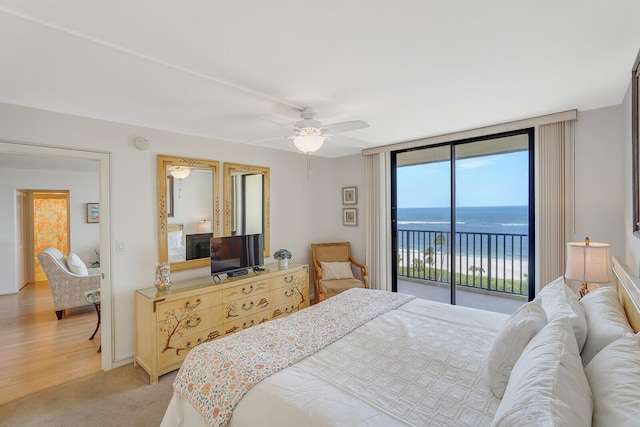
[{"x": 37, "y": 351}]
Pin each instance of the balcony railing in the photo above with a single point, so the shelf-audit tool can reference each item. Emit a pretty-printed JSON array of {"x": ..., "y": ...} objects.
[{"x": 490, "y": 261}]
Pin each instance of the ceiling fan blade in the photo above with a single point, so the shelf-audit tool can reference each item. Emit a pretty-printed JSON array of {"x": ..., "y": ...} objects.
[{"x": 346, "y": 126}]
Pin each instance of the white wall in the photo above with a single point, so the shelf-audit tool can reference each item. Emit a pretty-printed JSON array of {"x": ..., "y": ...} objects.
[
  {"x": 599, "y": 178},
  {"x": 301, "y": 211},
  {"x": 83, "y": 188}
]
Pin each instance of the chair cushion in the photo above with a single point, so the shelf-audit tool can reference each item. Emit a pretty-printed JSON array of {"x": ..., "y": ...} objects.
[
  {"x": 336, "y": 270},
  {"x": 76, "y": 266},
  {"x": 337, "y": 286}
]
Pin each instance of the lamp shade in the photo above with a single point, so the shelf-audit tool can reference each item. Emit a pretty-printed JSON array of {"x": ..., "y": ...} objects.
[
  {"x": 204, "y": 226},
  {"x": 588, "y": 262},
  {"x": 308, "y": 143}
]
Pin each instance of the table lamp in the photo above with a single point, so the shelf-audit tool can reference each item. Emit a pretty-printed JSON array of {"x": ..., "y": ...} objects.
[{"x": 588, "y": 262}]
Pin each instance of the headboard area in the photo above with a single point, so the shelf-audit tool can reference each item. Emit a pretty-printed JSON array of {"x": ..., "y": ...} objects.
[{"x": 628, "y": 288}]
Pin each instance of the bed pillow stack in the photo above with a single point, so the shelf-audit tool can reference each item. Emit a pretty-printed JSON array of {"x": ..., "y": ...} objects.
[
  {"x": 548, "y": 385},
  {"x": 606, "y": 321},
  {"x": 518, "y": 330},
  {"x": 614, "y": 376},
  {"x": 558, "y": 300}
]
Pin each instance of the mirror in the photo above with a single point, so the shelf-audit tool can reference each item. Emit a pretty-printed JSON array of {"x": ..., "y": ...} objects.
[
  {"x": 188, "y": 210},
  {"x": 246, "y": 201}
]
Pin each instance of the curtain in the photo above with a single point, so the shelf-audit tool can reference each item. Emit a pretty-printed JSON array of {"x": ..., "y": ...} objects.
[
  {"x": 554, "y": 201},
  {"x": 378, "y": 220}
]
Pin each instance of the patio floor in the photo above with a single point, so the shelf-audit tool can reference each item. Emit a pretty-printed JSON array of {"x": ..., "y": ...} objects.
[{"x": 491, "y": 301}]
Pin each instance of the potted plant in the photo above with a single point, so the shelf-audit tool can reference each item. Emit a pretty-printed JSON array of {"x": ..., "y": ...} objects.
[{"x": 283, "y": 256}]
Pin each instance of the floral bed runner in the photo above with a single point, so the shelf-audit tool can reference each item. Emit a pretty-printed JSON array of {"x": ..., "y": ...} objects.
[{"x": 215, "y": 375}]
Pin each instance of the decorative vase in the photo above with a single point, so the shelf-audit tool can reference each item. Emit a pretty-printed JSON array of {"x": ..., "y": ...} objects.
[
  {"x": 163, "y": 276},
  {"x": 283, "y": 263}
]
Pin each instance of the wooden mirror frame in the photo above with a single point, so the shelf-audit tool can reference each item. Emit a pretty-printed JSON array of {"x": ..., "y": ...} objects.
[
  {"x": 163, "y": 204},
  {"x": 635, "y": 152},
  {"x": 229, "y": 169}
]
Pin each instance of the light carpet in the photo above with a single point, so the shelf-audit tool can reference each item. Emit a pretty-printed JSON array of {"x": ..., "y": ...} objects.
[{"x": 120, "y": 397}]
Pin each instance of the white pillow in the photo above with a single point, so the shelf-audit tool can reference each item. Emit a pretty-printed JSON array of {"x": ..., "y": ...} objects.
[
  {"x": 606, "y": 321},
  {"x": 614, "y": 376},
  {"x": 336, "y": 270},
  {"x": 548, "y": 385},
  {"x": 558, "y": 300},
  {"x": 516, "y": 333},
  {"x": 174, "y": 239},
  {"x": 76, "y": 266}
]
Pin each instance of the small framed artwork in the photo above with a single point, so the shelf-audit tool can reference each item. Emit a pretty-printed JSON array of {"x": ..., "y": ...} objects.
[
  {"x": 350, "y": 216},
  {"x": 349, "y": 195},
  {"x": 93, "y": 212}
]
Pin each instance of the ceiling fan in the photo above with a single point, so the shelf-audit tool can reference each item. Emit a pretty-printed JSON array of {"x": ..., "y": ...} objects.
[{"x": 309, "y": 134}]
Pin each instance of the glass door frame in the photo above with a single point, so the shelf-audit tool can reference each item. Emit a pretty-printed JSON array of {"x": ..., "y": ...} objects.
[{"x": 452, "y": 144}]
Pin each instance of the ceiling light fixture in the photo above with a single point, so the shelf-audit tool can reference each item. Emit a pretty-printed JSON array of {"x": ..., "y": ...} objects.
[
  {"x": 309, "y": 139},
  {"x": 179, "y": 172}
]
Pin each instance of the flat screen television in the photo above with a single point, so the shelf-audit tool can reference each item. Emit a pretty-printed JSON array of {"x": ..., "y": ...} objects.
[
  {"x": 197, "y": 245},
  {"x": 235, "y": 255}
]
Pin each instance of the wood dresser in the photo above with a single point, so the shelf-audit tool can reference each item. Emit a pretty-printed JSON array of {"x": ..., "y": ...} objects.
[{"x": 169, "y": 323}]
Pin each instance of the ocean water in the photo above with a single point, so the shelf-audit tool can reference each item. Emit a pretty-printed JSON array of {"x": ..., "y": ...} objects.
[{"x": 478, "y": 228}]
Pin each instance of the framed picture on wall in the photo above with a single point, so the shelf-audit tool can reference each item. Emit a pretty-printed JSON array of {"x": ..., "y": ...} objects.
[
  {"x": 93, "y": 212},
  {"x": 349, "y": 195},
  {"x": 350, "y": 216},
  {"x": 635, "y": 142}
]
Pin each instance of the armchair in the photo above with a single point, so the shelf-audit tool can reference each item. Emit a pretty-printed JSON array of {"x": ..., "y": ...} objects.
[
  {"x": 67, "y": 288},
  {"x": 332, "y": 269}
]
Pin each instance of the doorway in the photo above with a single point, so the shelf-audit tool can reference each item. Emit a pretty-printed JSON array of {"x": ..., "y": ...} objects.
[
  {"x": 463, "y": 221},
  {"x": 47, "y": 221},
  {"x": 66, "y": 159}
]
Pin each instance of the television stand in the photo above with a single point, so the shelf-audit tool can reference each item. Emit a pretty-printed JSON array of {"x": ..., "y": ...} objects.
[{"x": 237, "y": 273}]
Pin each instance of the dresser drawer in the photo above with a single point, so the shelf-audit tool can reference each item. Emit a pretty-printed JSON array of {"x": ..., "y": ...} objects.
[
  {"x": 281, "y": 310},
  {"x": 182, "y": 322},
  {"x": 181, "y": 346},
  {"x": 242, "y": 291},
  {"x": 297, "y": 278},
  {"x": 247, "y": 306},
  {"x": 245, "y": 322},
  {"x": 288, "y": 294},
  {"x": 197, "y": 302}
]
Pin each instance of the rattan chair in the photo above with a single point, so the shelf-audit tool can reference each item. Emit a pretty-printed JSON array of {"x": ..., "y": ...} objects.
[{"x": 327, "y": 283}]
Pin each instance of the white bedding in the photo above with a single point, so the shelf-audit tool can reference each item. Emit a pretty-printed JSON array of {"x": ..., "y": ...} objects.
[{"x": 355, "y": 382}]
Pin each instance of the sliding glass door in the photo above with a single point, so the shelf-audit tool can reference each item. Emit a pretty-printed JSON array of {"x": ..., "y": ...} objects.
[{"x": 462, "y": 219}]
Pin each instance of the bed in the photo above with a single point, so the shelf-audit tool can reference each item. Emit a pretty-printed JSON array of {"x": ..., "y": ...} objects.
[
  {"x": 176, "y": 249},
  {"x": 384, "y": 359}
]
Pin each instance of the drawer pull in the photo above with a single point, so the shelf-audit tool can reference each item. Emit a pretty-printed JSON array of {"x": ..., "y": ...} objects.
[
  {"x": 287, "y": 310},
  {"x": 245, "y": 326},
  {"x": 188, "y": 304},
  {"x": 189, "y": 325},
  {"x": 249, "y": 307},
  {"x": 190, "y": 345},
  {"x": 288, "y": 279},
  {"x": 288, "y": 293},
  {"x": 244, "y": 291}
]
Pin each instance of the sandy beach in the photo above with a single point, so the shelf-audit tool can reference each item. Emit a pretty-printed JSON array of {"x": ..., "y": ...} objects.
[{"x": 499, "y": 268}]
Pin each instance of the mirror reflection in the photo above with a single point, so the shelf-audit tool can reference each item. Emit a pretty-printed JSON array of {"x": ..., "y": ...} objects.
[
  {"x": 246, "y": 201},
  {"x": 188, "y": 210}
]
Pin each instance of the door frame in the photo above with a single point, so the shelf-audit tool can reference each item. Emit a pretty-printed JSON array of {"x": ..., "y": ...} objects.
[
  {"x": 530, "y": 133},
  {"x": 104, "y": 160}
]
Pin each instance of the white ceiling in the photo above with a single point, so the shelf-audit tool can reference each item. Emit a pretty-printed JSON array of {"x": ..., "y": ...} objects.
[{"x": 242, "y": 70}]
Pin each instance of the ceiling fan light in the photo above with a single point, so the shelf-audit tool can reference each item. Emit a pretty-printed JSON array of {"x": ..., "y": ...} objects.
[
  {"x": 308, "y": 143},
  {"x": 179, "y": 172}
]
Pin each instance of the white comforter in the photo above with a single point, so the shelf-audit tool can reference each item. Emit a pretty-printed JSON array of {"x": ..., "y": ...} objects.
[{"x": 421, "y": 364}]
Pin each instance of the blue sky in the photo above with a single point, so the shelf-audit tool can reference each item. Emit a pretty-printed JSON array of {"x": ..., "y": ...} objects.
[{"x": 496, "y": 180}]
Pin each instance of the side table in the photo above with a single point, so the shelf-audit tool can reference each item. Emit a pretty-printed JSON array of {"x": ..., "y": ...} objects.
[{"x": 93, "y": 297}]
